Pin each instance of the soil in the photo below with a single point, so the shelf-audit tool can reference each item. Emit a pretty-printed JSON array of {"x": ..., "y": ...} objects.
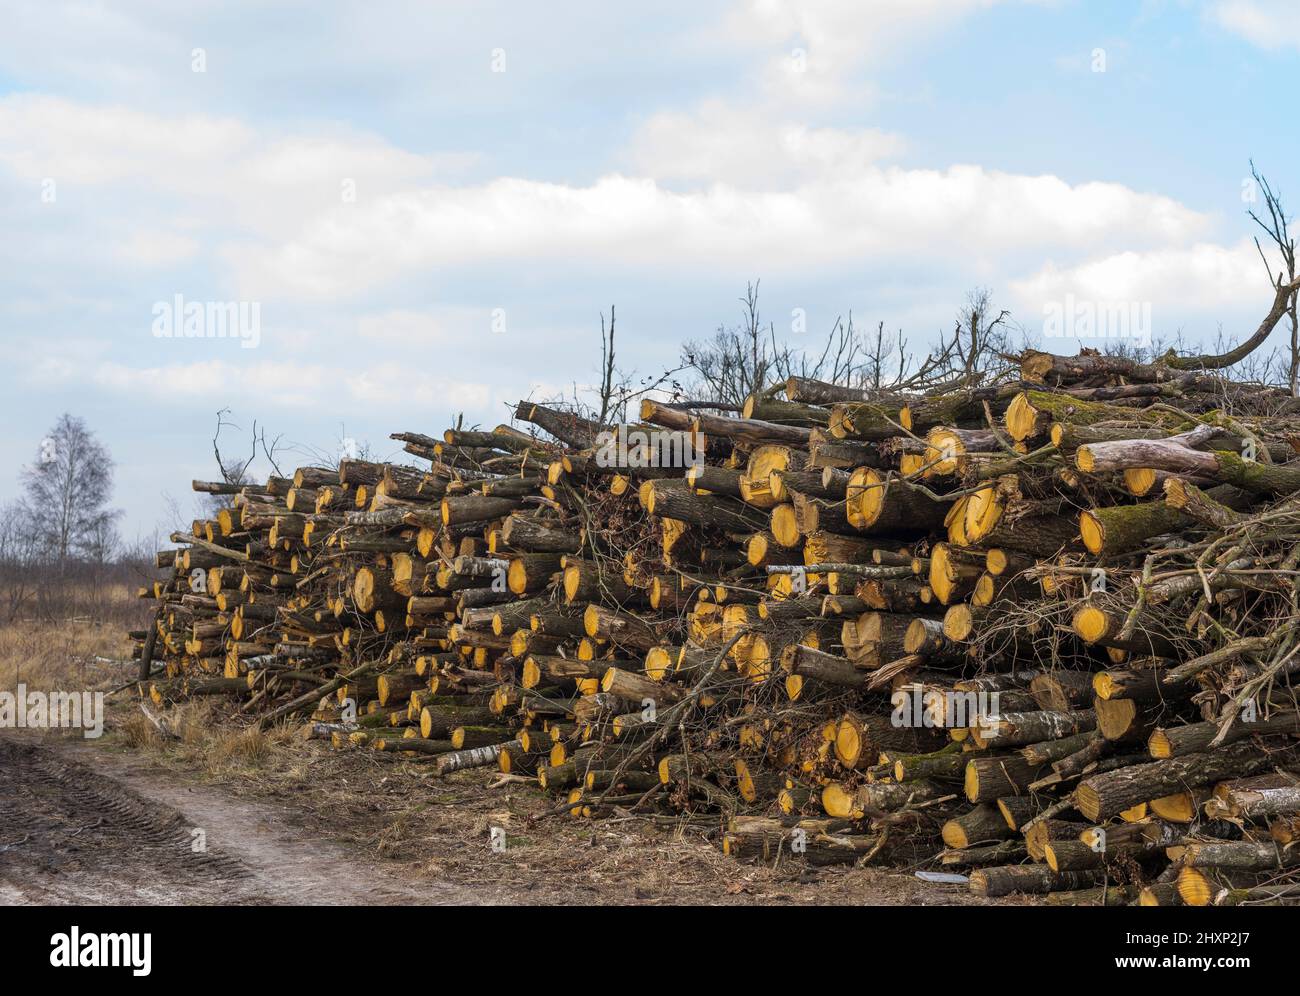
[{"x": 115, "y": 833}]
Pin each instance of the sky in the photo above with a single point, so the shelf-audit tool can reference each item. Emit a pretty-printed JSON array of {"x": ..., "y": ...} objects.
[{"x": 408, "y": 211}]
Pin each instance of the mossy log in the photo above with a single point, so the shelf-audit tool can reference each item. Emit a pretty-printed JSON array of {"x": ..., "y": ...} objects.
[{"x": 1031, "y": 413}]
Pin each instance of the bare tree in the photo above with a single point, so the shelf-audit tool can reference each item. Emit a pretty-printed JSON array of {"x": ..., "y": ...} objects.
[
  {"x": 618, "y": 389},
  {"x": 237, "y": 470},
  {"x": 607, "y": 368},
  {"x": 748, "y": 359},
  {"x": 980, "y": 341},
  {"x": 19, "y": 559},
  {"x": 1275, "y": 226},
  {"x": 737, "y": 361},
  {"x": 102, "y": 543},
  {"x": 67, "y": 492}
]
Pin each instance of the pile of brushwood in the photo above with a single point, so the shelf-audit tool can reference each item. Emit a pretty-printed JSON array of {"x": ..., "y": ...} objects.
[{"x": 1040, "y": 632}]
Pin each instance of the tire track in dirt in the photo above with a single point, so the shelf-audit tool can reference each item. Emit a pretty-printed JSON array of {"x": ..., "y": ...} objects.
[{"x": 90, "y": 830}]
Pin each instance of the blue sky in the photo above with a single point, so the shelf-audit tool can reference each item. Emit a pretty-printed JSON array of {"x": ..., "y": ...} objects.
[{"x": 540, "y": 162}]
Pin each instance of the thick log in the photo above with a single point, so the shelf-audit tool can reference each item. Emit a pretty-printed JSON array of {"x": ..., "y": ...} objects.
[
  {"x": 805, "y": 662},
  {"x": 1016, "y": 728},
  {"x": 980, "y": 825},
  {"x": 569, "y": 428},
  {"x": 525, "y": 532},
  {"x": 1175, "y": 457},
  {"x": 1255, "y": 799},
  {"x": 1032, "y": 879},
  {"x": 1180, "y": 741},
  {"x": 671, "y": 499},
  {"x": 754, "y": 432},
  {"x": 1103, "y": 796},
  {"x": 988, "y": 779},
  {"x": 1031, "y": 414},
  {"x": 877, "y": 503}
]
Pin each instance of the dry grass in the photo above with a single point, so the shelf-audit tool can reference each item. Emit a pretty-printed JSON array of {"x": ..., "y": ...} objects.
[
  {"x": 206, "y": 738},
  {"x": 136, "y": 731},
  {"x": 192, "y": 721},
  {"x": 229, "y": 748},
  {"x": 110, "y": 597},
  {"x": 61, "y": 655},
  {"x": 75, "y": 655}
]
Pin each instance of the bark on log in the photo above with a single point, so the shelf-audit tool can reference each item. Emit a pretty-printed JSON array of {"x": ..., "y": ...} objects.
[{"x": 1101, "y": 797}]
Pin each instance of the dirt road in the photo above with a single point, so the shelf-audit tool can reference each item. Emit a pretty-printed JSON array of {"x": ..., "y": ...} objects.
[{"x": 108, "y": 831}]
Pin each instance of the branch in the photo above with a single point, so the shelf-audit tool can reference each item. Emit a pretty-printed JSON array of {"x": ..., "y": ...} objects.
[{"x": 1209, "y": 361}]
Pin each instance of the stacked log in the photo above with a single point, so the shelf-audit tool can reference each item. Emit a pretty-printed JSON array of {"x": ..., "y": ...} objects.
[{"x": 1040, "y": 632}]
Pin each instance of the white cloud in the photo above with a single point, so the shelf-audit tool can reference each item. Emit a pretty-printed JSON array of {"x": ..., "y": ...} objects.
[
  {"x": 420, "y": 328},
  {"x": 722, "y": 143},
  {"x": 1270, "y": 24},
  {"x": 203, "y": 382},
  {"x": 1202, "y": 279},
  {"x": 156, "y": 248},
  {"x": 836, "y": 40},
  {"x": 770, "y": 195},
  {"x": 229, "y": 172},
  {"x": 380, "y": 383},
  {"x": 875, "y": 214}
]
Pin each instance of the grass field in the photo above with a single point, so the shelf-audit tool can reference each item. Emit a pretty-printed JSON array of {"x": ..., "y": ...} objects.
[
  {"x": 69, "y": 649},
  {"x": 65, "y": 656}
]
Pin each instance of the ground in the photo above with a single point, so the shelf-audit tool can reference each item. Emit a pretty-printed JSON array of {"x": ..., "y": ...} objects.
[{"x": 281, "y": 820}]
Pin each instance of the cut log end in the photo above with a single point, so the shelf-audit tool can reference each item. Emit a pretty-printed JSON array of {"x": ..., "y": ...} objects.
[{"x": 1093, "y": 532}]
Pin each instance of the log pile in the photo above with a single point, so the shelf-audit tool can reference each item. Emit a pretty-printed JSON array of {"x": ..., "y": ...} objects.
[{"x": 1040, "y": 633}]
